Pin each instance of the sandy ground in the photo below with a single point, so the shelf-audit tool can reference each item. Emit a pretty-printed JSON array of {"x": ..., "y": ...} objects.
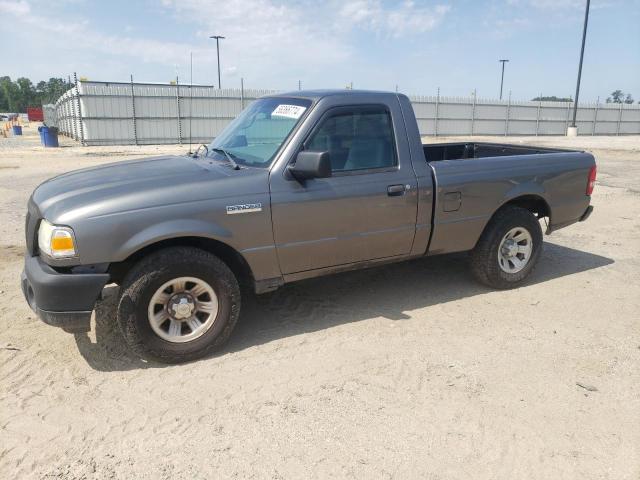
[{"x": 405, "y": 371}]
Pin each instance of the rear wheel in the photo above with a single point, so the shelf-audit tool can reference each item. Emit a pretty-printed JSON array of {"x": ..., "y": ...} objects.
[
  {"x": 178, "y": 304},
  {"x": 508, "y": 249}
]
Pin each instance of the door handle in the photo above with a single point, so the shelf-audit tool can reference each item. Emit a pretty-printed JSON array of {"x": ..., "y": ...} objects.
[{"x": 395, "y": 190}]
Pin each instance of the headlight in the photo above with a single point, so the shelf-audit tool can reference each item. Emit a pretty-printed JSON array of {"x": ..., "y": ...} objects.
[{"x": 56, "y": 242}]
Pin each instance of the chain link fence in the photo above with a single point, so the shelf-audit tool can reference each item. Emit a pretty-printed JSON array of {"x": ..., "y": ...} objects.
[{"x": 112, "y": 113}]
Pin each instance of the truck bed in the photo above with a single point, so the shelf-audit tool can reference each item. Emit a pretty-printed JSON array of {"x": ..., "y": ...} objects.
[
  {"x": 466, "y": 150},
  {"x": 468, "y": 192}
]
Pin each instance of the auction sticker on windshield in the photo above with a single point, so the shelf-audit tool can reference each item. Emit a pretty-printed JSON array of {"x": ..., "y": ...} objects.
[{"x": 289, "y": 111}]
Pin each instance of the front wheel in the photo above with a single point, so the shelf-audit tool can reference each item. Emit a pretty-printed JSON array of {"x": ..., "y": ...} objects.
[
  {"x": 508, "y": 249},
  {"x": 178, "y": 304}
]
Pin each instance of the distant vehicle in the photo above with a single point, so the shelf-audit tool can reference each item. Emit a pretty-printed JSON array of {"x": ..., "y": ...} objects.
[{"x": 300, "y": 185}]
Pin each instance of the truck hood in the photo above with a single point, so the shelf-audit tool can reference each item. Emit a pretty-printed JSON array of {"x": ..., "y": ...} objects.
[{"x": 139, "y": 184}]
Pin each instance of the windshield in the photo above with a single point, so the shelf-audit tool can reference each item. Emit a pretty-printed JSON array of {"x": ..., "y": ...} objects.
[{"x": 255, "y": 136}]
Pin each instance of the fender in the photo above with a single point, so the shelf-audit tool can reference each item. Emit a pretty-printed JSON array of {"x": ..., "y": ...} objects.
[
  {"x": 524, "y": 189},
  {"x": 172, "y": 229}
]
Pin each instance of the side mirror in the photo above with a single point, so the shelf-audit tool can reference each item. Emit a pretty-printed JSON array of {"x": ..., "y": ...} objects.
[{"x": 311, "y": 165}]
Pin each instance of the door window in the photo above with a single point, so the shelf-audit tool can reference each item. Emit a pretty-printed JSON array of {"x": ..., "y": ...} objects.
[{"x": 357, "y": 139}]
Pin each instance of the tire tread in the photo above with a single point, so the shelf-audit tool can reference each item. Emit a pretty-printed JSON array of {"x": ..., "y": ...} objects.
[
  {"x": 144, "y": 273},
  {"x": 483, "y": 258}
]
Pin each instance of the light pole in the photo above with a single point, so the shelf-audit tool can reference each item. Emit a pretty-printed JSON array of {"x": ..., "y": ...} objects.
[
  {"x": 218, "y": 38},
  {"x": 574, "y": 130},
  {"x": 503, "y": 61}
]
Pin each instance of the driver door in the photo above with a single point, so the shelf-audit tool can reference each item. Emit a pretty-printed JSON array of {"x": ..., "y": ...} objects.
[{"x": 366, "y": 210}]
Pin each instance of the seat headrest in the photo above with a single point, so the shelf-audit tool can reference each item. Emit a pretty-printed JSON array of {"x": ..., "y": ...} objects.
[{"x": 370, "y": 126}]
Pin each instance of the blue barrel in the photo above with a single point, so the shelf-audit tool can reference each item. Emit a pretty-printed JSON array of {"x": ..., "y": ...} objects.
[
  {"x": 49, "y": 136},
  {"x": 17, "y": 130}
]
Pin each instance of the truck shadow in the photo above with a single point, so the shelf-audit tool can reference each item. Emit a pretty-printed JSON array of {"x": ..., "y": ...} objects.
[{"x": 321, "y": 303}]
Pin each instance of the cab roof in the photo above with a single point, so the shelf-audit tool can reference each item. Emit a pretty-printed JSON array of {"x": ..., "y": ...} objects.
[{"x": 318, "y": 94}]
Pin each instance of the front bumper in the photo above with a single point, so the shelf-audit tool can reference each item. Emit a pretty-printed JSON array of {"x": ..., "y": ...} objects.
[{"x": 63, "y": 300}]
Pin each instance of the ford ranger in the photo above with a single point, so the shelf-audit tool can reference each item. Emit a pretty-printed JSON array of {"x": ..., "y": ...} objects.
[{"x": 297, "y": 186}]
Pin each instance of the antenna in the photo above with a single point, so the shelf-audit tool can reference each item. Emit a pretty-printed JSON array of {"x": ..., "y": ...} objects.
[{"x": 190, "y": 101}]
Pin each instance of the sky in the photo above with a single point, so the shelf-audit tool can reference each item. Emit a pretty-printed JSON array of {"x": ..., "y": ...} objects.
[{"x": 418, "y": 46}]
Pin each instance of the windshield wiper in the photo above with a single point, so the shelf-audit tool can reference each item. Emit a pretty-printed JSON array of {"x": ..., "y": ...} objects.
[
  {"x": 233, "y": 163},
  {"x": 196, "y": 153}
]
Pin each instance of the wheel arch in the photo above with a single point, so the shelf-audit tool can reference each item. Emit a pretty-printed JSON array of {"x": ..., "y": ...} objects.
[
  {"x": 230, "y": 256},
  {"x": 535, "y": 203}
]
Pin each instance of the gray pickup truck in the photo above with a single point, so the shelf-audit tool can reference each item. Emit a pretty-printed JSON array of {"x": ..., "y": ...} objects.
[{"x": 297, "y": 186}]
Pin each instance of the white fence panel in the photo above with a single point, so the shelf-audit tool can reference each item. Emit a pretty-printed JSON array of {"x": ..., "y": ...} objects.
[{"x": 107, "y": 113}]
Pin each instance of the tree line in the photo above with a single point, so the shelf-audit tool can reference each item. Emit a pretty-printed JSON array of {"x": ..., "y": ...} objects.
[
  {"x": 617, "y": 96},
  {"x": 16, "y": 96}
]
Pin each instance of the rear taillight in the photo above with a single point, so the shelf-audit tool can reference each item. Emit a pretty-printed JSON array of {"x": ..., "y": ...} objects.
[{"x": 591, "y": 181}]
